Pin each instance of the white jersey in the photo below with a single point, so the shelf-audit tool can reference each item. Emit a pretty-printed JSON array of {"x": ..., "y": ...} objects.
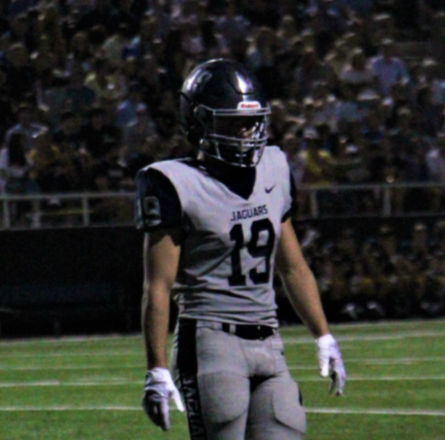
[{"x": 227, "y": 257}]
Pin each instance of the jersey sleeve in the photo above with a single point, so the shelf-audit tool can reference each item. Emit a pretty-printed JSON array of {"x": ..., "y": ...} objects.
[
  {"x": 293, "y": 199},
  {"x": 157, "y": 202}
]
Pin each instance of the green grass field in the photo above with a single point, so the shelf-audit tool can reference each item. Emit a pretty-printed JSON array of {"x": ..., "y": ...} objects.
[{"x": 90, "y": 388}]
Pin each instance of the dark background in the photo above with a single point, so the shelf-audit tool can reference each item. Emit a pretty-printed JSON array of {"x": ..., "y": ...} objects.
[{"x": 89, "y": 280}]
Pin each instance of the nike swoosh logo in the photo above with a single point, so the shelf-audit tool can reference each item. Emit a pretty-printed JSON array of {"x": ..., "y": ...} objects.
[{"x": 269, "y": 190}]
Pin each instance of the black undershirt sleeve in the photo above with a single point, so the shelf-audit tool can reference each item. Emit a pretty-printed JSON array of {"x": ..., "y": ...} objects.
[
  {"x": 294, "y": 205},
  {"x": 157, "y": 202}
]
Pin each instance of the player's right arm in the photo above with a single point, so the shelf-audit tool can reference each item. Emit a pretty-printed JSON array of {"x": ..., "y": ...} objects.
[
  {"x": 158, "y": 212},
  {"x": 161, "y": 257}
]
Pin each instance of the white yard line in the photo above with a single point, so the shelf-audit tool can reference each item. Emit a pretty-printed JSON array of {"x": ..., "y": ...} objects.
[
  {"x": 378, "y": 411},
  {"x": 380, "y": 326},
  {"x": 385, "y": 324},
  {"x": 383, "y": 412},
  {"x": 57, "y": 383},
  {"x": 121, "y": 382},
  {"x": 80, "y": 338},
  {"x": 395, "y": 361},
  {"x": 74, "y": 368},
  {"x": 367, "y": 337},
  {"x": 379, "y": 379},
  {"x": 110, "y": 353}
]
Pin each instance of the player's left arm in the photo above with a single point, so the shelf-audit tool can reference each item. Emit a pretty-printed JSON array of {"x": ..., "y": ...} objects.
[{"x": 302, "y": 290}]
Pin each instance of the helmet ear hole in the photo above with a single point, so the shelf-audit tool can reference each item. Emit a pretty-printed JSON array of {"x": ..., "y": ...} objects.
[
  {"x": 195, "y": 134},
  {"x": 200, "y": 113}
]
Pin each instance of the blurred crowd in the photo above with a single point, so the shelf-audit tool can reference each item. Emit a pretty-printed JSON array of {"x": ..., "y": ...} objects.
[
  {"x": 89, "y": 89},
  {"x": 393, "y": 272}
]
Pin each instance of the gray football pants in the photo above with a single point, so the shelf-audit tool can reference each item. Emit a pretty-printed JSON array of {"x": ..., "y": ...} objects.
[{"x": 233, "y": 388}]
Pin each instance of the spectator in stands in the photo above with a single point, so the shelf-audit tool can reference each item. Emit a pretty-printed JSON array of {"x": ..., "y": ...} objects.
[
  {"x": 291, "y": 146},
  {"x": 363, "y": 8},
  {"x": 385, "y": 247},
  {"x": 348, "y": 108},
  {"x": 358, "y": 73},
  {"x": 327, "y": 20},
  {"x": 261, "y": 55},
  {"x": 51, "y": 92},
  {"x": 429, "y": 9},
  {"x": 99, "y": 136},
  {"x": 53, "y": 174},
  {"x": 427, "y": 116},
  {"x": 141, "y": 44},
  {"x": 136, "y": 132},
  {"x": 126, "y": 109},
  {"x": 114, "y": 46},
  {"x": 110, "y": 168},
  {"x": 20, "y": 75},
  {"x": 338, "y": 57},
  {"x": 80, "y": 53},
  {"x": 287, "y": 31},
  {"x": 351, "y": 163},
  {"x": 325, "y": 104},
  {"x": 78, "y": 97},
  {"x": 153, "y": 81},
  {"x": 319, "y": 166},
  {"x": 215, "y": 46},
  {"x": 311, "y": 70},
  {"x": 428, "y": 74},
  {"x": 95, "y": 13},
  {"x": 166, "y": 117},
  {"x": 233, "y": 26},
  {"x": 436, "y": 167},
  {"x": 110, "y": 175},
  {"x": 18, "y": 32},
  {"x": 418, "y": 247},
  {"x": 388, "y": 68},
  {"x": 280, "y": 122},
  {"x": 96, "y": 37},
  {"x": 48, "y": 24},
  {"x": 150, "y": 150},
  {"x": 14, "y": 167},
  {"x": 381, "y": 27},
  {"x": 69, "y": 132},
  {"x": 437, "y": 237},
  {"x": 43, "y": 60},
  {"x": 6, "y": 109},
  {"x": 26, "y": 125},
  {"x": 261, "y": 13},
  {"x": 373, "y": 130},
  {"x": 398, "y": 99},
  {"x": 99, "y": 80},
  {"x": 404, "y": 136},
  {"x": 128, "y": 13}
]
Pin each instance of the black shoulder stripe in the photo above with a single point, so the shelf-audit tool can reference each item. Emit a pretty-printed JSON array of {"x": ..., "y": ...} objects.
[
  {"x": 157, "y": 203},
  {"x": 293, "y": 194}
]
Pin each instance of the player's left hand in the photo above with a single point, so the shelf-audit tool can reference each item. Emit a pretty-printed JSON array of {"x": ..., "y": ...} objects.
[
  {"x": 158, "y": 389},
  {"x": 331, "y": 363}
]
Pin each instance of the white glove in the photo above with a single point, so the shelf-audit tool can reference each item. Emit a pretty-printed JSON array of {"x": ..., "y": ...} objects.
[
  {"x": 159, "y": 387},
  {"x": 331, "y": 362}
]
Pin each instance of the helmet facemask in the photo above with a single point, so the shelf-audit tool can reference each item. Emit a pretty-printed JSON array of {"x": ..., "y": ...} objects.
[{"x": 237, "y": 136}]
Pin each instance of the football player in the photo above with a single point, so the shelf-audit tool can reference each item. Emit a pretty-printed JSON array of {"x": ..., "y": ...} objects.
[{"x": 217, "y": 226}]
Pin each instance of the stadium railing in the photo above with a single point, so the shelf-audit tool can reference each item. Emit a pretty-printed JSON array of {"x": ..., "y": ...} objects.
[{"x": 316, "y": 202}]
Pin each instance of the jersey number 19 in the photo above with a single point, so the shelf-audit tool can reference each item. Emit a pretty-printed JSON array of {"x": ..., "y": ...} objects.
[{"x": 256, "y": 248}]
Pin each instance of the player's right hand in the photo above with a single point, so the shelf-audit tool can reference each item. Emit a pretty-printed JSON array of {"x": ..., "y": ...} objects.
[{"x": 158, "y": 389}]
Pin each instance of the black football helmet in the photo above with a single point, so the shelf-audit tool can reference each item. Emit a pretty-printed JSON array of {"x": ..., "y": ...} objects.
[{"x": 224, "y": 112}]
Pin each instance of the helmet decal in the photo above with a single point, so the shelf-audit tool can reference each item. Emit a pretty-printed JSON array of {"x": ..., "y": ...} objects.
[{"x": 249, "y": 105}]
